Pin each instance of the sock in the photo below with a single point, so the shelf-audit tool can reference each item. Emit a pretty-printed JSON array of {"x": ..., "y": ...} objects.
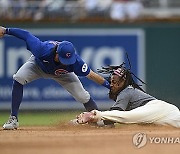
[
  {"x": 17, "y": 94},
  {"x": 90, "y": 105}
]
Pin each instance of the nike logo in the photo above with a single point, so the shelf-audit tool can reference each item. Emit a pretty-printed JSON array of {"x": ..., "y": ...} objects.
[{"x": 45, "y": 61}]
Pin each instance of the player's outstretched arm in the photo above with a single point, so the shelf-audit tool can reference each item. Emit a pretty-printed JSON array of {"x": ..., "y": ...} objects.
[
  {"x": 2, "y": 31},
  {"x": 32, "y": 42},
  {"x": 98, "y": 79}
]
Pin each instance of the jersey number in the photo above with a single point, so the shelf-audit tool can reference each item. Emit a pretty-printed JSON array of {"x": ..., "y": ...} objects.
[{"x": 84, "y": 68}]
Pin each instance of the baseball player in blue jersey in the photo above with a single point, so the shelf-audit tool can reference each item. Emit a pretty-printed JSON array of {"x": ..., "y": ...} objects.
[
  {"x": 54, "y": 60},
  {"x": 132, "y": 104}
]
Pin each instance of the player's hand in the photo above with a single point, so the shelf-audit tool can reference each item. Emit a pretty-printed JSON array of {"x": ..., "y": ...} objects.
[
  {"x": 87, "y": 117},
  {"x": 2, "y": 31},
  {"x": 84, "y": 117}
]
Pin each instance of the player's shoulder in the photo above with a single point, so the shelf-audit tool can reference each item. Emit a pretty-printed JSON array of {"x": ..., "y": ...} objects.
[
  {"x": 80, "y": 67},
  {"x": 129, "y": 88},
  {"x": 133, "y": 90},
  {"x": 79, "y": 61},
  {"x": 126, "y": 90},
  {"x": 78, "y": 58}
]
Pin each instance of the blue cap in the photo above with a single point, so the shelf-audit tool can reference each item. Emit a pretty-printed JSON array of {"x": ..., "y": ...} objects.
[{"x": 66, "y": 52}]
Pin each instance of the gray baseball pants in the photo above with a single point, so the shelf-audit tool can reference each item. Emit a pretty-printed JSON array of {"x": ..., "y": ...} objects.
[{"x": 30, "y": 71}]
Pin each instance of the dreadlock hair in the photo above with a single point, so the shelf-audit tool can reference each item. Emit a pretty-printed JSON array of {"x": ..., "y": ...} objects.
[
  {"x": 124, "y": 74},
  {"x": 130, "y": 81}
]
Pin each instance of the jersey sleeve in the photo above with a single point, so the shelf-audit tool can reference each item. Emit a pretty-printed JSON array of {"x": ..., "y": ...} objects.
[
  {"x": 123, "y": 100},
  {"x": 33, "y": 44},
  {"x": 81, "y": 68}
]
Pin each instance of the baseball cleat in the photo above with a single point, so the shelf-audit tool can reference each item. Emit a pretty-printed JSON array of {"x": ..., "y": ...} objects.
[{"x": 11, "y": 124}]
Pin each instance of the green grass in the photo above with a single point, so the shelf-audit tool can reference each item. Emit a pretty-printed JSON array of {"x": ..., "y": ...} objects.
[{"x": 48, "y": 118}]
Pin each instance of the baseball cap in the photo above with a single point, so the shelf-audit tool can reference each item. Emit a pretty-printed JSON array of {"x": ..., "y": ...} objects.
[{"x": 66, "y": 52}]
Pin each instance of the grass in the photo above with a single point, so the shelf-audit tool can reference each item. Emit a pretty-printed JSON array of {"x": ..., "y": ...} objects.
[{"x": 48, "y": 118}]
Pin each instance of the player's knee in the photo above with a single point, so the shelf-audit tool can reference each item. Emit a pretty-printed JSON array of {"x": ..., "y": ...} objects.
[
  {"x": 19, "y": 79},
  {"x": 82, "y": 97}
]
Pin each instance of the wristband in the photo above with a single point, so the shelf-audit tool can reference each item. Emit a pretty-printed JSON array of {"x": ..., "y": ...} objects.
[{"x": 106, "y": 84}]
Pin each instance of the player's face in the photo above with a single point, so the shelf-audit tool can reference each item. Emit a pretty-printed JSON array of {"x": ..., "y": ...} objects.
[
  {"x": 116, "y": 83},
  {"x": 56, "y": 58}
]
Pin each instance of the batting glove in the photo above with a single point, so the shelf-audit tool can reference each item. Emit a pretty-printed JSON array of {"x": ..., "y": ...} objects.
[{"x": 87, "y": 117}]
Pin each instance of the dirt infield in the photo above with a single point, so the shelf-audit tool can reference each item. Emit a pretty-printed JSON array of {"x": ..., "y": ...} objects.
[{"x": 65, "y": 139}]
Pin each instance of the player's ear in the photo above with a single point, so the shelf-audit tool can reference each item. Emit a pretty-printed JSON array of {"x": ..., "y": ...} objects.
[{"x": 121, "y": 83}]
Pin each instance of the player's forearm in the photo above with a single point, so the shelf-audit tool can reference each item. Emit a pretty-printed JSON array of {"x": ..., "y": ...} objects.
[
  {"x": 32, "y": 42},
  {"x": 95, "y": 77},
  {"x": 19, "y": 33},
  {"x": 98, "y": 79}
]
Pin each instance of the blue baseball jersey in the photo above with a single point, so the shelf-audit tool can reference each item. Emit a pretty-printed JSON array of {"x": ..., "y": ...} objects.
[{"x": 44, "y": 52}]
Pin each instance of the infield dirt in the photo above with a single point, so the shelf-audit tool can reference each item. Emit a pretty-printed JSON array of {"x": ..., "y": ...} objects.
[{"x": 65, "y": 139}]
